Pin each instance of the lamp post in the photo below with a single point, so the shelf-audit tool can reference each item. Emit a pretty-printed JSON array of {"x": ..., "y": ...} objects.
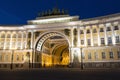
[{"x": 81, "y": 60}]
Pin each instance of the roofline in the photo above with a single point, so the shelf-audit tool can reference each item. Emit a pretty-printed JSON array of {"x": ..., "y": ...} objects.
[{"x": 101, "y": 17}]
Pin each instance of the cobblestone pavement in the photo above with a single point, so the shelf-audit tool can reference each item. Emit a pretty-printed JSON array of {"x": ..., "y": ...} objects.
[{"x": 60, "y": 74}]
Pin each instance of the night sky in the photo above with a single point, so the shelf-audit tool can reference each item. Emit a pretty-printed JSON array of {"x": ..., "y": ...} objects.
[{"x": 19, "y": 11}]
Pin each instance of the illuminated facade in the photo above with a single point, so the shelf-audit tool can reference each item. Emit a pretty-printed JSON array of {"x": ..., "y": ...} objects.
[{"x": 60, "y": 40}]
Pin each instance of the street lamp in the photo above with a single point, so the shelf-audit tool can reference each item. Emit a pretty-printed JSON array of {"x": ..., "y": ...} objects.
[{"x": 81, "y": 60}]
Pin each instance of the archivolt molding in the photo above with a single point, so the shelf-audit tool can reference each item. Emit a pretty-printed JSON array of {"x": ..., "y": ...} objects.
[{"x": 41, "y": 39}]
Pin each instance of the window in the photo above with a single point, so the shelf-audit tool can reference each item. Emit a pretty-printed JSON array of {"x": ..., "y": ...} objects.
[
  {"x": 117, "y": 39},
  {"x": 102, "y": 41},
  {"x": 108, "y": 29},
  {"x": 118, "y": 53},
  {"x": 89, "y": 42},
  {"x": 94, "y": 31},
  {"x": 83, "y": 55},
  {"x": 81, "y": 32},
  {"x": 101, "y": 30},
  {"x": 116, "y": 28},
  {"x": 17, "y": 58},
  {"x": 3, "y": 36},
  {"x": 109, "y": 40},
  {"x": 89, "y": 55},
  {"x": 88, "y": 31},
  {"x": 6, "y": 58},
  {"x": 103, "y": 55},
  {"x": 8, "y": 36},
  {"x": 14, "y": 36},
  {"x": 19, "y": 35},
  {"x": 82, "y": 42},
  {"x": 111, "y": 55},
  {"x": 96, "y": 55}
]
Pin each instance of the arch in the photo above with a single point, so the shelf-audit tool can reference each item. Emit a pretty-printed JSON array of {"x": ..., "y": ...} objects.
[{"x": 41, "y": 39}]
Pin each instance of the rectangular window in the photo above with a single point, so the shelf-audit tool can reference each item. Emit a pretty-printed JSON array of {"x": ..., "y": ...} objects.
[
  {"x": 117, "y": 39},
  {"x": 6, "y": 57},
  {"x": 83, "y": 56},
  {"x": 89, "y": 42},
  {"x": 94, "y": 31},
  {"x": 103, "y": 55},
  {"x": 81, "y": 32},
  {"x": 101, "y": 30},
  {"x": 96, "y": 55},
  {"x": 82, "y": 42},
  {"x": 89, "y": 55},
  {"x": 116, "y": 28},
  {"x": 17, "y": 57},
  {"x": 111, "y": 55},
  {"x": 102, "y": 41},
  {"x": 108, "y": 29},
  {"x": 118, "y": 53},
  {"x": 109, "y": 40}
]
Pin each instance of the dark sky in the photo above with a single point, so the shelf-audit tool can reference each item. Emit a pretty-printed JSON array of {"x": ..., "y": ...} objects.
[{"x": 19, "y": 11}]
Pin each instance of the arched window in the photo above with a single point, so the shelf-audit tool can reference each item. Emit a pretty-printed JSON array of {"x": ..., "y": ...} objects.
[
  {"x": 19, "y": 35},
  {"x": 3, "y": 35},
  {"x": 14, "y": 36},
  {"x": 8, "y": 36}
]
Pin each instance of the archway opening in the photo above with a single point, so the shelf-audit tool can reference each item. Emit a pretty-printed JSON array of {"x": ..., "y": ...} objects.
[{"x": 55, "y": 52}]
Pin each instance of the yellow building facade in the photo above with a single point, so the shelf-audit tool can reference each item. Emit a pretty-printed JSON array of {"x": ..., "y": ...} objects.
[{"x": 61, "y": 40}]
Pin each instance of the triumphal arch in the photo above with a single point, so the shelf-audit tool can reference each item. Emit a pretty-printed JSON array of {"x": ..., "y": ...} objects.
[{"x": 56, "y": 39}]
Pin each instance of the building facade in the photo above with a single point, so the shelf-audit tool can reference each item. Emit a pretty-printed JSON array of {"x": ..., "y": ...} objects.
[{"x": 57, "y": 39}]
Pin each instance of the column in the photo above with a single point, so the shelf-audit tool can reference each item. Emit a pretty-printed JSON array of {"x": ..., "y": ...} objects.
[
  {"x": 16, "y": 40},
  {"x": 11, "y": 41},
  {"x": 80, "y": 37},
  {"x": 106, "y": 37},
  {"x": 78, "y": 34},
  {"x": 70, "y": 55},
  {"x": 22, "y": 42},
  {"x": 113, "y": 35},
  {"x": 26, "y": 40},
  {"x": 72, "y": 37},
  {"x": 91, "y": 33},
  {"x": 5, "y": 40},
  {"x": 85, "y": 41},
  {"x": 99, "y": 43},
  {"x": 0, "y": 39},
  {"x": 31, "y": 39}
]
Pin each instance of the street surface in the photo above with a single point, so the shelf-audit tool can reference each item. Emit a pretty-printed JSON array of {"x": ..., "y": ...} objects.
[{"x": 60, "y": 74}]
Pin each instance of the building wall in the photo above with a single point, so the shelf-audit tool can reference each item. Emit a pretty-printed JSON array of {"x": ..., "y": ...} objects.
[{"x": 98, "y": 42}]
